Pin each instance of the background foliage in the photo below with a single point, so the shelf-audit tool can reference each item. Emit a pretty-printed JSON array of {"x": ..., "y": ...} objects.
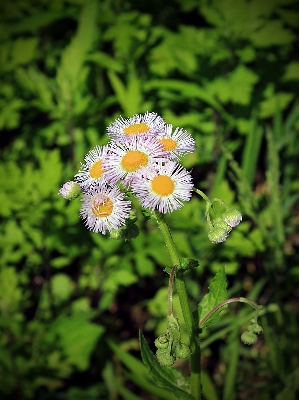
[{"x": 227, "y": 71}]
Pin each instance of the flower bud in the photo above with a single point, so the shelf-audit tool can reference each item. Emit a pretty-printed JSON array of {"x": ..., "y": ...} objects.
[
  {"x": 232, "y": 217},
  {"x": 182, "y": 350},
  {"x": 248, "y": 337},
  {"x": 217, "y": 235},
  {"x": 162, "y": 342},
  {"x": 220, "y": 223},
  {"x": 70, "y": 190},
  {"x": 164, "y": 357},
  {"x": 257, "y": 329}
]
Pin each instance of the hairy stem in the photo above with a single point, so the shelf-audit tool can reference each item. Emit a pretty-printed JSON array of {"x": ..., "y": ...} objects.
[{"x": 191, "y": 327}]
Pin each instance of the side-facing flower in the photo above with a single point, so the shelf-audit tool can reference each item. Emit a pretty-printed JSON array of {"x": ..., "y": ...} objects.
[
  {"x": 92, "y": 170},
  {"x": 104, "y": 208},
  {"x": 232, "y": 217},
  {"x": 144, "y": 125},
  {"x": 176, "y": 143},
  {"x": 132, "y": 156},
  {"x": 164, "y": 188},
  {"x": 70, "y": 190}
]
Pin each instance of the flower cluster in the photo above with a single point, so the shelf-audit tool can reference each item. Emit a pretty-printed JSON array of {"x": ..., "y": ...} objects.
[
  {"x": 141, "y": 158},
  {"x": 222, "y": 225}
]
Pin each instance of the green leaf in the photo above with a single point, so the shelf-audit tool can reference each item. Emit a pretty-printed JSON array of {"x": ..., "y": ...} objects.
[
  {"x": 77, "y": 338},
  {"x": 62, "y": 287},
  {"x": 292, "y": 72},
  {"x": 237, "y": 87},
  {"x": 163, "y": 376},
  {"x": 74, "y": 55},
  {"x": 216, "y": 295},
  {"x": 272, "y": 34},
  {"x": 139, "y": 373}
]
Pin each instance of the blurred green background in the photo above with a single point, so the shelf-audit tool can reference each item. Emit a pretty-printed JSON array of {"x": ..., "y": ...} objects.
[{"x": 71, "y": 301}]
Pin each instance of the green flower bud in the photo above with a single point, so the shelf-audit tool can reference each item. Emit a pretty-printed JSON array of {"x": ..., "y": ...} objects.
[
  {"x": 220, "y": 223},
  {"x": 70, "y": 190},
  {"x": 232, "y": 217},
  {"x": 248, "y": 337},
  {"x": 182, "y": 350},
  {"x": 164, "y": 357},
  {"x": 217, "y": 235},
  {"x": 257, "y": 329},
  {"x": 162, "y": 342}
]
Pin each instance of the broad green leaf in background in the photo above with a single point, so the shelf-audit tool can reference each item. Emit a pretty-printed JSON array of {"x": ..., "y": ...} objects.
[
  {"x": 10, "y": 292},
  {"x": 78, "y": 339},
  {"x": 73, "y": 56},
  {"x": 217, "y": 294}
]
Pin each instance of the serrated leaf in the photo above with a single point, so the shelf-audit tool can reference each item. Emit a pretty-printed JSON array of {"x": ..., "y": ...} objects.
[
  {"x": 217, "y": 294},
  {"x": 163, "y": 376}
]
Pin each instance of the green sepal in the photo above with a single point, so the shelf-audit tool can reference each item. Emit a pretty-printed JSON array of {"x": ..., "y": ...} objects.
[
  {"x": 188, "y": 263},
  {"x": 165, "y": 377}
]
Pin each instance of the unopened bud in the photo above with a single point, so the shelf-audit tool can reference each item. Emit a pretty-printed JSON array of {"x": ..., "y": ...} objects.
[
  {"x": 70, "y": 190},
  {"x": 217, "y": 235},
  {"x": 257, "y": 329},
  {"x": 162, "y": 342},
  {"x": 232, "y": 217},
  {"x": 164, "y": 357},
  {"x": 220, "y": 223},
  {"x": 248, "y": 337},
  {"x": 182, "y": 350}
]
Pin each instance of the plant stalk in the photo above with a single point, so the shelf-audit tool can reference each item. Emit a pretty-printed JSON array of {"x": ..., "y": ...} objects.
[{"x": 191, "y": 327}]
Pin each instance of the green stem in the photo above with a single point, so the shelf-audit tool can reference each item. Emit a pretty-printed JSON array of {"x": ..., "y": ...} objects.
[
  {"x": 170, "y": 290},
  {"x": 234, "y": 299},
  {"x": 191, "y": 327}
]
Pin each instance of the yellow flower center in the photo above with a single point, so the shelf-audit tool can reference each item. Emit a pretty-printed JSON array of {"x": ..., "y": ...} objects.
[
  {"x": 168, "y": 144},
  {"x": 133, "y": 160},
  {"x": 96, "y": 171},
  {"x": 162, "y": 185},
  {"x": 102, "y": 208},
  {"x": 136, "y": 128}
]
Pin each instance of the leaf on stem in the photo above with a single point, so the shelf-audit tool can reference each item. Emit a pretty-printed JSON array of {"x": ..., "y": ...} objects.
[
  {"x": 217, "y": 294},
  {"x": 168, "y": 378}
]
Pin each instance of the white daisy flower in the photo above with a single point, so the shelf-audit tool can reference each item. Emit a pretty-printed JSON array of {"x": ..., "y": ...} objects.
[
  {"x": 177, "y": 143},
  {"x": 132, "y": 157},
  {"x": 92, "y": 170},
  {"x": 148, "y": 124},
  {"x": 104, "y": 208},
  {"x": 164, "y": 188}
]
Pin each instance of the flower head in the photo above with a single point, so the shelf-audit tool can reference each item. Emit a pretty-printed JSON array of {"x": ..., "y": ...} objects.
[
  {"x": 144, "y": 125},
  {"x": 92, "y": 170},
  {"x": 104, "y": 208},
  {"x": 232, "y": 217},
  {"x": 176, "y": 143},
  {"x": 70, "y": 190},
  {"x": 164, "y": 188},
  {"x": 132, "y": 157}
]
